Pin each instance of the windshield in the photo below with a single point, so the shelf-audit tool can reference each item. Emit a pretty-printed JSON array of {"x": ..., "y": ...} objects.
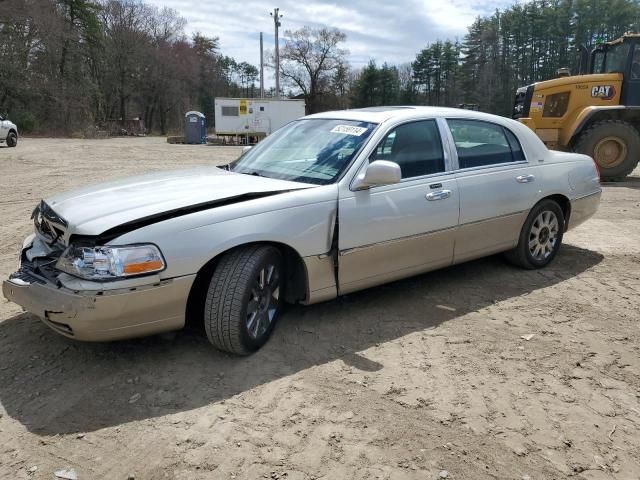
[
  {"x": 309, "y": 150},
  {"x": 613, "y": 60}
]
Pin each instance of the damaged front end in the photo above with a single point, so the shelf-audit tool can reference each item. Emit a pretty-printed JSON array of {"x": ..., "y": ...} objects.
[
  {"x": 37, "y": 263},
  {"x": 41, "y": 250},
  {"x": 87, "y": 258},
  {"x": 94, "y": 292},
  {"x": 48, "y": 224},
  {"x": 76, "y": 276}
]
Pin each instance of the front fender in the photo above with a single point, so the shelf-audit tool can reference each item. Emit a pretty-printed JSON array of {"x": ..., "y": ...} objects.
[{"x": 191, "y": 241}]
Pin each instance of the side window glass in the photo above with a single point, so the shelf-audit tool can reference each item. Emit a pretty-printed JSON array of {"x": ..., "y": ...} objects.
[
  {"x": 516, "y": 148},
  {"x": 415, "y": 146},
  {"x": 635, "y": 63},
  {"x": 598, "y": 62},
  {"x": 384, "y": 149},
  {"x": 481, "y": 143}
]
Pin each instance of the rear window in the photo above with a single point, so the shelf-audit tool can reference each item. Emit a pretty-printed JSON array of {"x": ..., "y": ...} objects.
[{"x": 481, "y": 144}]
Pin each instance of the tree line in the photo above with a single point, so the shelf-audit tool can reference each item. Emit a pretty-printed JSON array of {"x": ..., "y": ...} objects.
[
  {"x": 525, "y": 43},
  {"x": 70, "y": 66}
]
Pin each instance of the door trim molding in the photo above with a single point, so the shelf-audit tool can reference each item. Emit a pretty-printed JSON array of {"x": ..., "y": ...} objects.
[
  {"x": 497, "y": 217},
  {"x": 348, "y": 251}
]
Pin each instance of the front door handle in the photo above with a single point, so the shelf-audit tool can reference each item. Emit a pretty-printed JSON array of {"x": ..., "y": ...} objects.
[
  {"x": 525, "y": 178},
  {"x": 441, "y": 195}
]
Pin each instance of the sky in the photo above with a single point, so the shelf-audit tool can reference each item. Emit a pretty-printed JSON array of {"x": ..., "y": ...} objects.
[{"x": 391, "y": 31}]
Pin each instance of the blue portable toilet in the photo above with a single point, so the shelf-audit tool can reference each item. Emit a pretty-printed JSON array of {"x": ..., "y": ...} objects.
[{"x": 195, "y": 128}]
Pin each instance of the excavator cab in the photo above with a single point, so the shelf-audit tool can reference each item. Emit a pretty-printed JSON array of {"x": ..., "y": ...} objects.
[
  {"x": 596, "y": 112},
  {"x": 620, "y": 56}
]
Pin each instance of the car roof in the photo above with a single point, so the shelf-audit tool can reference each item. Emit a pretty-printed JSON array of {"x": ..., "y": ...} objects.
[
  {"x": 382, "y": 114},
  {"x": 533, "y": 145}
]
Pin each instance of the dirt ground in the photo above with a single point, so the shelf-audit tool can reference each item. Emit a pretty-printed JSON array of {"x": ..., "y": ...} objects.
[{"x": 403, "y": 381}]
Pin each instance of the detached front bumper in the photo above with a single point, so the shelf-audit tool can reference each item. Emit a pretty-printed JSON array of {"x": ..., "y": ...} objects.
[{"x": 101, "y": 315}]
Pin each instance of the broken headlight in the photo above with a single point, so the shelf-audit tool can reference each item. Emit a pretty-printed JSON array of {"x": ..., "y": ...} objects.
[{"x": 108, "y": 263}]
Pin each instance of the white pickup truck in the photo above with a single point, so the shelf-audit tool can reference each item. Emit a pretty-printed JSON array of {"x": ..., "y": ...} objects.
[{"x": 8, "y": 132}]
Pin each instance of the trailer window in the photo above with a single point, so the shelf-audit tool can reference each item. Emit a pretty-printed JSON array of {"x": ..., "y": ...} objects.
[{"x": 230, "y": 111}]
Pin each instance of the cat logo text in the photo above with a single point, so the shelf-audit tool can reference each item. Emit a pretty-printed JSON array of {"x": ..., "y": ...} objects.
[{"x": 605, "y": 92}]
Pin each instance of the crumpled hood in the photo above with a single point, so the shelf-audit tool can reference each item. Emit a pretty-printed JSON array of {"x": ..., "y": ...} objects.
[{"x": 98, "y": 208}]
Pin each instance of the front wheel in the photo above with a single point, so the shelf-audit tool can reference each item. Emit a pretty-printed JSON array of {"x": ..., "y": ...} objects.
[
  {"x": 12, "y": 139},
  {"x": 540, "y": 237},
  {"x": 244, "y": 299}
]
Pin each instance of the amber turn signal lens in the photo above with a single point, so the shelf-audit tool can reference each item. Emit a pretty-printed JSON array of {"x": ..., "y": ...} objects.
[{"x": 142, "y": 267}]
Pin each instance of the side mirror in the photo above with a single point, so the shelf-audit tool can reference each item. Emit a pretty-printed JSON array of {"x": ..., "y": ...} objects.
[{"x": 380, "y": 172}]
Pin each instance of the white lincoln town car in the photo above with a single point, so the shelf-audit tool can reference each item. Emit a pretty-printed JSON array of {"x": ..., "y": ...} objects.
[{"x": 329, "y": 204}]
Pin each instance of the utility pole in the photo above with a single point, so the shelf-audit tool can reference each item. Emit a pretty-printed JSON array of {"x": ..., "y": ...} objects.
[
  {"x": 261, "y": 69},
  {"x": 276, "y": 20}
]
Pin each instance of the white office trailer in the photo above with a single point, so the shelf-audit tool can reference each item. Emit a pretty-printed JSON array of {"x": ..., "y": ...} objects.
[{"x": 253, "y": 118}]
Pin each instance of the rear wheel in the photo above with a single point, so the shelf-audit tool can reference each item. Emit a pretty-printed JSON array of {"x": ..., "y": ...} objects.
[
  {"x": 540, "y": 237},
  {"x": 614, "y": 145},
  {"x": 12, "y": 139},
  {"x": 244, "y": 299}
]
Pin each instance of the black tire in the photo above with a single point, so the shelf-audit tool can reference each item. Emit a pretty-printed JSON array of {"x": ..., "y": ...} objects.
[
  {"x": 234, "y": 294},
  {"x": 522, "y": 255},
  {"x": 617, "y": 131},
  {"x": 12, "y": 139}
]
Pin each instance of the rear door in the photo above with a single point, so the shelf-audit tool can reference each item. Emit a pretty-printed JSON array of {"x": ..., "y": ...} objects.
[
  {"x": 497, "y": 187},
  {"x": 394, "y": 231}
]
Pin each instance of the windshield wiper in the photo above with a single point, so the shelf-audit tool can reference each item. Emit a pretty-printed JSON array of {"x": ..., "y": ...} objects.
[{"x": 254, "y": 173}]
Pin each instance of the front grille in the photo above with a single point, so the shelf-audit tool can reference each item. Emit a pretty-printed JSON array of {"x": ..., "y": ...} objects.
[
  {"x": 39, "y": 270},
  {"x": 522, "y": 102},
  {"x": 27, "y": 276}
]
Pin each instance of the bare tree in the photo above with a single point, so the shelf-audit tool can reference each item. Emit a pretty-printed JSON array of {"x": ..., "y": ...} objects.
[
  {"x": 310, "y": 59},
  {"x": 163, "y": 78}
]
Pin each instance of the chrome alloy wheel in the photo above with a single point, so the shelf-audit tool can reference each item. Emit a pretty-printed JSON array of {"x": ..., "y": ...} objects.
[
  {"x": 543, "y": 236},
  {"x": 264, "y": 301}
]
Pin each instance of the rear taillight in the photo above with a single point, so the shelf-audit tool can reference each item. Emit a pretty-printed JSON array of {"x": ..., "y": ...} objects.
[{"x": 595, "y": 164}]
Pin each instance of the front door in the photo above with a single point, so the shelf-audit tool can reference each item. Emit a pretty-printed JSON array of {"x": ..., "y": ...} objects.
[
  {"x": 631, "y": 84},
  {"x": 394, "y": 231}
]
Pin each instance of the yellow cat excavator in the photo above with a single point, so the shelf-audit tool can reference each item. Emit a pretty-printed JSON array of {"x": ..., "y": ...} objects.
[{"x": 596, "y": 112}]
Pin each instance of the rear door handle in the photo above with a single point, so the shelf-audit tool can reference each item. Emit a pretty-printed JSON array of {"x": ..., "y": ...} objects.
[
  {"x": 525, "y": 178},
  {"x": 441, "y": 195}
]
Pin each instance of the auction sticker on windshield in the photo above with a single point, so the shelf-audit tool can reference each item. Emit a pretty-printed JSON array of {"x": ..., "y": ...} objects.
[{"x": 349, "y": 130}]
